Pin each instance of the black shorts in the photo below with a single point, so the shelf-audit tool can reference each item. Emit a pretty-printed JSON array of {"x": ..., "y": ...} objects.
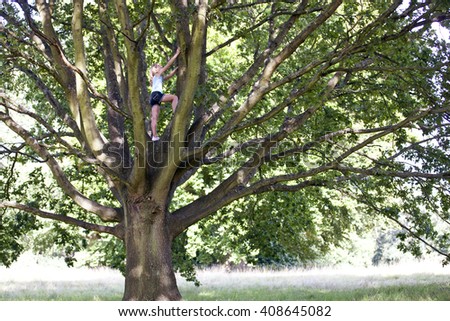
[{"x": 156, "y": 98}]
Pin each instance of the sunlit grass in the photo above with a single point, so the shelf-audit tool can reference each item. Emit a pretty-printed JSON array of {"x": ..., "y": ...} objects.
[
  {"x": 415, "y": 282},
  {"x": 60, "y": 291},
  {"x": 431, "y": 292},
  {"x": 51, "y": 280}
]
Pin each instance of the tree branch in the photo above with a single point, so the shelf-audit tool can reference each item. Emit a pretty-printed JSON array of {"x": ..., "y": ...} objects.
[
  {"x": 139, "y": 170},
  {"x": 89, "y": 159},
  {"x": 409, "y": 230},
  {"x": 115, "y": 85},
  {"x": 160, "y": 31},
  {"x": 206, "y": 205},
  {"x": 107, "y": 214},
  {"x": 116, "y": 230},
  {"x": 247, "y": 31},
  {"x": 235, "y": 184},
  {"x": 57, "y": 107},
  {"x": 379, "y": 172},
  {"x": 9, "y": 104},
  {"x": 262, "y": 86},
  {"x": 184, "y": 110},
  {"x": 273, "y": 45},
  {"x": 251, "y": 4},
  {"x": 416, "y": 115}
]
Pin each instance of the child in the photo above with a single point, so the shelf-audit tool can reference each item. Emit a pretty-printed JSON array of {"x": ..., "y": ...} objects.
[{"x": 157, "y": 96}]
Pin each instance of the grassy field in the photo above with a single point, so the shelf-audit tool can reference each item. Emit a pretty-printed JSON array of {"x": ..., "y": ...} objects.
[{"x": 51, "y": 280}]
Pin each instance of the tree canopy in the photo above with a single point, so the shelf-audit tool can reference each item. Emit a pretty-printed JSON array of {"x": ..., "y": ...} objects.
[{"x": 286, "y": 108}]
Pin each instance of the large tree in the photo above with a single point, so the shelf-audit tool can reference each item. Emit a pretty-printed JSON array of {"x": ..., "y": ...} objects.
[{"x": 275, "y": 96}]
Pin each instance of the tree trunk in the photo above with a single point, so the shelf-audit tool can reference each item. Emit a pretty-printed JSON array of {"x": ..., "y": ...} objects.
[{"x": 149, "y": 271}]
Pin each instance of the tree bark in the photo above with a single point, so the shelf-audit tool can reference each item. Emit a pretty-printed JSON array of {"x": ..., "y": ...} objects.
[{"x": 149, "y": 269}]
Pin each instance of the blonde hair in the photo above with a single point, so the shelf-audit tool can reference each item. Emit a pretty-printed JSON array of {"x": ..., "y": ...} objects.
[
  {"x": 153, "y": 66},
  {"x": 151, "y": 72}
]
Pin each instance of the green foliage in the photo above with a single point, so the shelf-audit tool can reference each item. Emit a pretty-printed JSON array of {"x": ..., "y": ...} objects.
[
  {"x": 106, "y": 251},
  {"x": 22, "y": 231},
  {"x": 183, "y": 262},
  {"x": 278, "y": 229},
  {"x": 421, "y": 220},
  {"x": 14, "y": 225}
]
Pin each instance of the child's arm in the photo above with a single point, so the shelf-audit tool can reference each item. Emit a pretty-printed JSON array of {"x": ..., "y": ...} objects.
[
  {"x": 170, "y": 62},
  {"x": 172, "y": 73}
]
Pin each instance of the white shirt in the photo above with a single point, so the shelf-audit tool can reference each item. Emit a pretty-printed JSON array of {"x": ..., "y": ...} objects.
[{"x": 157, "y": 83}]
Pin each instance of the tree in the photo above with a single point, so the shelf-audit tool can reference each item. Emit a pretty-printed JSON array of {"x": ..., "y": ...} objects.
[{"x": 275, "y": 96}]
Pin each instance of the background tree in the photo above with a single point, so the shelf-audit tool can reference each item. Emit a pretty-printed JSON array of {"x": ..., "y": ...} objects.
[{"x": 323, "y": 99}]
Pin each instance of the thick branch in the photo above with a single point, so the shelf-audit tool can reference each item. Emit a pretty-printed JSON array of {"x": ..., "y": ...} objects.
[
  {"x": 138, "y": 174},
  {"x": 333, "y": 57},
  {"x": 115, "y": 88},
  {"x": 236, "y": 183},
  {"x": 185, "y": 106},
  {"x": 90, "y": 130},
  {"x": 206, "y": 205},
  {"x": 71, "y": 150}
]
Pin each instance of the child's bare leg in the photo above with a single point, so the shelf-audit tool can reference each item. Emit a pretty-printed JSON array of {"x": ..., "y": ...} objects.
[
  {"x": 171, "y": 98},
  {"x": 174, "y": 103},
  {"x": 155, "y": 115}
]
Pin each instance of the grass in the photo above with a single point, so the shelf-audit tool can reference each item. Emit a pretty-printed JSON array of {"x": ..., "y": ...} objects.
[
  {"x": 73, "y": 291},
  {"x": 59, "y": 291},
  {"x": 46, "y": 281},
  {"x": 374, "y": 284},
  {"x": 432, "y": 292}
]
